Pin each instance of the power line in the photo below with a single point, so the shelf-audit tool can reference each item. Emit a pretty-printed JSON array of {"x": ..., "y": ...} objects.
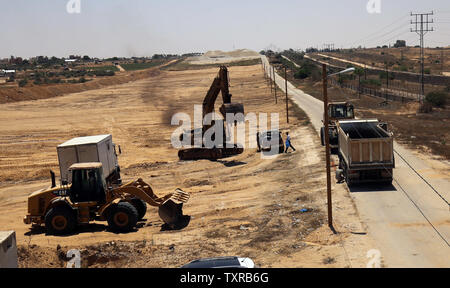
[
  {"x": 381, "y": 30},
  {"x": 396, "y": 36},
  {"x": 415, "y": 171},
  {"x": 373, "y": 39}
]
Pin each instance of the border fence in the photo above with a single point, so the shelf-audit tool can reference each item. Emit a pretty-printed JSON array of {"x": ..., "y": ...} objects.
[{"x": 398, "y": 95}]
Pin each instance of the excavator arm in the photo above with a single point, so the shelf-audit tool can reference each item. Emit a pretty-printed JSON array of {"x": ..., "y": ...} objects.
[{"x": 221, "y": 84}]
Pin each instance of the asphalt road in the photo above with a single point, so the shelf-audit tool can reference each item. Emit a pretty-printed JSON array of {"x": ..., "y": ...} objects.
[{"x": 409, "y": 222}]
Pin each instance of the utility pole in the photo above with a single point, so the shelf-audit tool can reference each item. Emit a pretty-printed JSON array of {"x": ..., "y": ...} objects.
[
  {"x": 359, "y": 86},
  {"x": 275, "y": 85},
  {"x": 365, "y": 71},
  {"x": 387, "y": 81},
  {"x": 270, "y": 80},
  {"x": 421, "y": 27},
  {"x": 327, "y": 146},
  {"x": 285, "y": 88}
]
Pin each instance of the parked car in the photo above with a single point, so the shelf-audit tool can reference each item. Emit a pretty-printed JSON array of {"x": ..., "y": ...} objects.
[
  {"x": 221, "y": 262},
  {"x": 266, "y": 140}
]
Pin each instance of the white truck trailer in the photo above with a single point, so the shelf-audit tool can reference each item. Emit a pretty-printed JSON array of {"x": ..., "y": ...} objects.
[{"x": 89, "y": 149}]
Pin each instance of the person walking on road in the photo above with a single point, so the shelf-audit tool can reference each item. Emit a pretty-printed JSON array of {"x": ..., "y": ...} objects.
[{"x": 288, "y": 143}]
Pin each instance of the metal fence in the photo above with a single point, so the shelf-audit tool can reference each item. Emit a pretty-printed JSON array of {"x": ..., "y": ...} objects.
[{"x": 398, "y": 95}]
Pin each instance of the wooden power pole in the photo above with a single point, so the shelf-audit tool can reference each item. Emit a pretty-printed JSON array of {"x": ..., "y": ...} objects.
[
  {"x": 327, "y": 146},
  {"x": 285, "y": 87}
]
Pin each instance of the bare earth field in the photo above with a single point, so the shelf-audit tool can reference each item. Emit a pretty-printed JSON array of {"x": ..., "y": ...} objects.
[{"x": 240, "y": 206}]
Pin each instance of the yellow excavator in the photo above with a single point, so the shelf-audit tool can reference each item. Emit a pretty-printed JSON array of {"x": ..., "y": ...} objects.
[
  {"x": 219, "y": 85},
  {"x": 88, "y": 199}
]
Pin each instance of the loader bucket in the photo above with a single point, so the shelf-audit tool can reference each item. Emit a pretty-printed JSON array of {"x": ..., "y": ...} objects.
[{"x": 172, "y": 215}]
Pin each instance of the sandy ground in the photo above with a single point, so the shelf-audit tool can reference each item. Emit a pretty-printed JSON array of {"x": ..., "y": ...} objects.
[{"x": 243, "y": 206}]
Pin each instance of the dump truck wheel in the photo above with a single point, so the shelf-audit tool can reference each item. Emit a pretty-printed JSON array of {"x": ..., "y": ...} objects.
[
  {"x": 60, "y": 221},
  {"x": 122, "y": 217},
  {"x": 140, "y": 206}
]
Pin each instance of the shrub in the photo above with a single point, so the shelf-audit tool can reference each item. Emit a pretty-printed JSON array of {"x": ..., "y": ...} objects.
[
  {"x": 307, "y": 70},
  {"x": 437, "y": 98},
  {"x": 23, "y": 82},
  {"x": 301, "y": 74}
]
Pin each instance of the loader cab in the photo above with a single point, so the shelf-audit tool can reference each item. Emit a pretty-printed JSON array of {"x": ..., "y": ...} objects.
[
  {"x": 88, "y": 184},
  {"x": 340, "y": 111}
]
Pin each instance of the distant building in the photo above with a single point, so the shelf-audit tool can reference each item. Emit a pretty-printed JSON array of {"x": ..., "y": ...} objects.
[{"x": 7, "y": 73}]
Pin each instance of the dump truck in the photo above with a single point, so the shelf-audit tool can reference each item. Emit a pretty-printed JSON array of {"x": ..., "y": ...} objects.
[
  {"x": 366, "y": 152},
  {"x": 221, "y": 150},
  {"x": 336, "y": 111},
  {"x": 99, "y": 148},
  {"x": 88, "y": 198}
]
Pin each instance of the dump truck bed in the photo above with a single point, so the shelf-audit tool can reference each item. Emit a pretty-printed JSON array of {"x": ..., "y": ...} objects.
[
  {"x": 363, "y": 143},
  {"x": 366, "y": 151}
]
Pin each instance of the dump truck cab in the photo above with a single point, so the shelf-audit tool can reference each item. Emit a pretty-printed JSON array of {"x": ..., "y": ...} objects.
[
  {"x": 340, "y": 111},
  {"x": 336, "y": 111}
]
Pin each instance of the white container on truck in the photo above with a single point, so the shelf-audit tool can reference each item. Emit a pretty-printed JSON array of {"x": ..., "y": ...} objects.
[
  {"x": 86, "y": 150},
  {"x": 366, "y": 152}
]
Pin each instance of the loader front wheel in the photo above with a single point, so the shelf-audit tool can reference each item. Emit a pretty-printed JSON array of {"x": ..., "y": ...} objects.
[
  {"x": 60, "y": 221},
  {"x": 122, "y": 217},
  {"x": 140, "y": 206}
]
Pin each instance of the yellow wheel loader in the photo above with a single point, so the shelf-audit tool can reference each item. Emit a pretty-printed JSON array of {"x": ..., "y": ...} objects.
[{"x": 88, "y": 199}]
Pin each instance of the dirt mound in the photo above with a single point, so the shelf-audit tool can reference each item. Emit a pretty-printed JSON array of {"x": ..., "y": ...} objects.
[
  {"x": 235, "y": 53},
  {"x": 218, "y": 57}
]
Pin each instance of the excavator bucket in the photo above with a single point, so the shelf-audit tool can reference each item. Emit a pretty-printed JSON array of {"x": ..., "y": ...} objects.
[
  {"x": 171, "y": 212},
  {"x": 231, "y": 108}
]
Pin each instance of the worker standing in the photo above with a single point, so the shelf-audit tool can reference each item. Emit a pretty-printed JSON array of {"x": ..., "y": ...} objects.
[{"x": 288, "y": 143}]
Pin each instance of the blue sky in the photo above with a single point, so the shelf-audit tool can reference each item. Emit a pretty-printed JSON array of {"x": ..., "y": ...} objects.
[{"x": 107, "y": 28}]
